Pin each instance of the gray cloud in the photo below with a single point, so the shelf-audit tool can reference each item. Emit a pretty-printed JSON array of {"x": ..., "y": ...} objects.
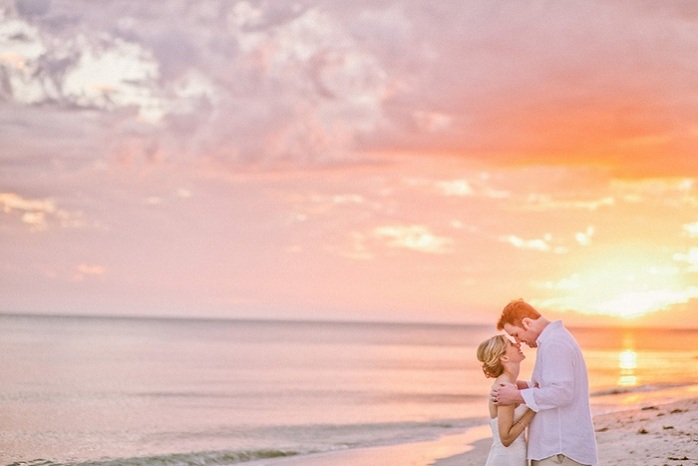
[
  {"x": 310, "y": 82},
  {"x": 32, "y": 7}
]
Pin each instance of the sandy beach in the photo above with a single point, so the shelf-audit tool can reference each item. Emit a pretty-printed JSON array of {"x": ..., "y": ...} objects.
[
  {"x": 652, "y": 434},
  {"x": 655, "y": 434}
]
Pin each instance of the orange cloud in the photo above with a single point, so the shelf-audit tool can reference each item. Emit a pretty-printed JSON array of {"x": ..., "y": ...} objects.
[
  {"x": 413, "y": 237},
  {"x": 90, "y": 269},
  {"x": 12, "y": 201}
]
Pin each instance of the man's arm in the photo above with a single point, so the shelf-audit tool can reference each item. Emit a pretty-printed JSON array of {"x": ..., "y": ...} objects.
[{"x": 557, "y": 378}]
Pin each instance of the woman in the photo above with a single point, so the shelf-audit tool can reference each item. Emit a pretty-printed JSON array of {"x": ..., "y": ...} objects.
[{"x": 501, "y": 360}]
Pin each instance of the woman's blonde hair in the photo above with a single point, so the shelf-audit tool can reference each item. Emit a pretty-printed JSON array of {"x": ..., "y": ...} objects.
[{"x": 489, "y": 352}]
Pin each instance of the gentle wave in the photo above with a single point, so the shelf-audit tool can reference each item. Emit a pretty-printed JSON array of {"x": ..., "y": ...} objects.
[
  {"x": 210, "y": 458},
  {"x": 318, "y": 438},
  {"x": 639, "y": 389},
  {"x": 316, "y": 394}
]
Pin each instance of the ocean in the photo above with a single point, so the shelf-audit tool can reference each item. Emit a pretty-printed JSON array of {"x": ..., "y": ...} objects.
[{"x": 132, "y": 391}]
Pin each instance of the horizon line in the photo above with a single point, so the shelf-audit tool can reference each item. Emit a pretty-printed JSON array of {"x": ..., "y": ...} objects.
[{"x": 307, "y": 320}]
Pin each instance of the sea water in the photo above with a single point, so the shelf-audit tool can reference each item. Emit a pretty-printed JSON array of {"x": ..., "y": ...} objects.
[{"x": 127, "y": 391}]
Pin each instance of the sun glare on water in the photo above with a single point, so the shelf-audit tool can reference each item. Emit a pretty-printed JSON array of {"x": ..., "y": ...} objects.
[{"x": 627, "y": 363}]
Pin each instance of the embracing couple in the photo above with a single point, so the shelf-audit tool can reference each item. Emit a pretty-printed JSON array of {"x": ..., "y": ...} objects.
[{"x": 554, "y": 405}]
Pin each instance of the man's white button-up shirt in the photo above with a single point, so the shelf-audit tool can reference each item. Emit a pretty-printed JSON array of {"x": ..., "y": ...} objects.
[{"x": 559, "y": 394}]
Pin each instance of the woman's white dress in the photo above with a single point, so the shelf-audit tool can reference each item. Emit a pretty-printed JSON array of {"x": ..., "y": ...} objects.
[{"x": 514, "y": 454}]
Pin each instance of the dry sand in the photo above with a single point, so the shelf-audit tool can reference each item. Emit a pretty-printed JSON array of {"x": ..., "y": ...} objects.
[{"x": 653, "y": 435}]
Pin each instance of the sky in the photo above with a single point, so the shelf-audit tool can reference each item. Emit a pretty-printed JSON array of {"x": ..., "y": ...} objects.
[{"x": 384, "y": 160}]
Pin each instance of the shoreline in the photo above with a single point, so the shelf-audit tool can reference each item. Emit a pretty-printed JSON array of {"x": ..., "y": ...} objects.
[
  {"x": 648, "y": 430},
  {"x": 405, "y": 454}
]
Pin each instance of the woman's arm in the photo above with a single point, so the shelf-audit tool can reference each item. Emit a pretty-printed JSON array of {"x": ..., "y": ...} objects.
[{"x": 508, "y": 429}]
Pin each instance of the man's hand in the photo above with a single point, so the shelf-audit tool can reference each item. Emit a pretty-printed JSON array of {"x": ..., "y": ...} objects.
[
  {"x": 506, "y": 394},
  {"x": 522, "y": 384}
]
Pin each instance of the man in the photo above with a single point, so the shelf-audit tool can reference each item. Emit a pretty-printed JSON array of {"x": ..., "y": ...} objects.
[{"x": 562, "y": 431}]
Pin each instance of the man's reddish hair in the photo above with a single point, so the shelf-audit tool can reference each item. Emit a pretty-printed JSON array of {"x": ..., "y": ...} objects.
[{"x": 514, "y": 312}]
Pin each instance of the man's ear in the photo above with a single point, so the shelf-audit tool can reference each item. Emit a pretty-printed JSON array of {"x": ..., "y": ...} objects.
[{"x": 526, "y": 323}]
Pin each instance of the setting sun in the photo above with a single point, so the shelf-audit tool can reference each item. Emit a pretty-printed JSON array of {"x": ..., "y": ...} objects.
[{"x": 627, "y": 282}]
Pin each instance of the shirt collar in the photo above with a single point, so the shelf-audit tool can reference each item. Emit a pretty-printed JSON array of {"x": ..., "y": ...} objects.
[{"x": 550, "y": 328}]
